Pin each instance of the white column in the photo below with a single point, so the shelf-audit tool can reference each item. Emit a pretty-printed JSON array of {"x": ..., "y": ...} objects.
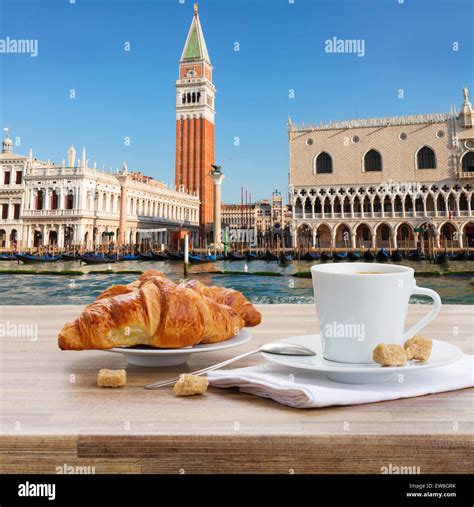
[{"x": 10, "y": 209}]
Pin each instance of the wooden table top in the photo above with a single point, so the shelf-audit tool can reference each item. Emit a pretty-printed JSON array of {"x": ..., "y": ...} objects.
[{"x": 52, "y": 413}]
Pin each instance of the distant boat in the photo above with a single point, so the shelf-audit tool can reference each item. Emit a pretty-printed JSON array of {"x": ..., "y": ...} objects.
[
  {"x": 269, "y": 256},
  {"x": 8, "y": 257},
  {"x": 414, "y": 256},
  {"x": 326, "y": 256},
  {"x": 159, "y": 256},
  {"x": 354, "y": 256},
  {"x": 369, "y": 256},
  {"x": 70, "y": 257},
  {"x": 383, "y": 255},
  {"x": 396, "y": 256},
  {"x": 251, "y": 256},
  {"x": 236, "y": 256},
  {"x": 145, "y": 256},
  {"x": 339, "y": 256},
  {"x": 91, "y": 258},
  {"x": 460, "y": 256},
  {"x": 312, "y": 256},
  {"x": 176, "y": 256},
  {"x": 129, "y": 257},
  {"x": 31, "y": 259},
  {"x": 285, "y": 259},
  {"x": 201, "y": 258},
  {"x": 440, "y": 258}
]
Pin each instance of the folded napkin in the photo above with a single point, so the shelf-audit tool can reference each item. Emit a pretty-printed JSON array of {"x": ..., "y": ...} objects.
[{"x": 304, "y": 389}]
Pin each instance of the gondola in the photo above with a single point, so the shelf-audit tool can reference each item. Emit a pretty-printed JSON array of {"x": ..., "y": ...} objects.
[
  {"x": 285, "y": 259},
  {"x": 269, "y": 256},
  {"x": 326, "y": 256},
  {"x": 129, "y": 257},
  {"x": 440, "y": 258},
  {"x": 8, "y": 257},
  {"x": 470, "y": 256},
  {"x": 175, "y": 256},
  {"x": 236, "y": 256},
  {"x": 339, "y": 256},
  {"x": 460, "y": 256},
  {"x": 312, "y": 256},
  {"x": 396, "y": 256},
  {"x": 383, "y": 255},
  {"x": 251, "y": 256},
  {"x": 70, "y": 257},
  {"x": 98, "y": 258},
  {"x": 414, "y": 256},
  {"x": 354, "y": 256},
  {"x": 145, "y": 256},
  {"x": 159, "y": 256},
  {"x": 369, "y": 256},
  {"x": 201, "y": 258},
  {"x": 31, "y": 259}
]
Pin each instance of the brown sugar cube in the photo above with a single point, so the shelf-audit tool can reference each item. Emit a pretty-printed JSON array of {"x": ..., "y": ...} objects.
[
  {"x": 389, "y": 355},
  {"x": 111, "y": 378},
  {"x": 189, "y": 385},
  {"x": 418, "y": 348}
]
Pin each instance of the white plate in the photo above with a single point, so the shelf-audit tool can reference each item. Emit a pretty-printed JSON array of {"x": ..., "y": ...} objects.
[
  {"x": 171, "y": 357},
  {"x": 442, "y": 354}
]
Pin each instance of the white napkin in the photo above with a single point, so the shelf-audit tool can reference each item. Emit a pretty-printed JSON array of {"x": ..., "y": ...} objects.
[{"x": 310, "y": 389}]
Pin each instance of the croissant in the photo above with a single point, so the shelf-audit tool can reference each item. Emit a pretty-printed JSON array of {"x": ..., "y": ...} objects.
[
  {"x": 155, "y": 311},
  {"x": 229, "y": 297}
]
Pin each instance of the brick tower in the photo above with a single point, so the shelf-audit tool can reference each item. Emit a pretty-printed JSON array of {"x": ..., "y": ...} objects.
[{"x": 195, "y": 123}]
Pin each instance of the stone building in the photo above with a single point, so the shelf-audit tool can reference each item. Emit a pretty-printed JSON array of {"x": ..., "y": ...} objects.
[
  {"x": 44, "y": 204},
  {"x": 268, "y": 217},
  {"x": 384, "y": 182}
]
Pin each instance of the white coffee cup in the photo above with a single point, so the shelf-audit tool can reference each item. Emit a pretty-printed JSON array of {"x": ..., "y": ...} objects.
[{"x": 358, "y": 310}]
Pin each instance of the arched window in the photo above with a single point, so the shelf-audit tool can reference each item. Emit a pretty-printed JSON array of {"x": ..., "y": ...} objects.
[
  {"x": 426, "y": 158},
  {"x": 69, "y": 201},
  {"x": 323, "y": 163},
  {"x": 372, "y": 161},
  {"x": 183, "y": 99},
  {"x": 39, "y": 199},
  {"x": 468, "y": 162},
  {"x": 54, "y": 200}
]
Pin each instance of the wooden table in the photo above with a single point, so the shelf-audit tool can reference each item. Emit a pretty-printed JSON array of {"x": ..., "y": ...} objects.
[{"x": 52, "y": 414}]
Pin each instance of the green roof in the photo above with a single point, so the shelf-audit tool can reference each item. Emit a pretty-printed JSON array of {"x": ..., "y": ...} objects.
[{"x": 195, "y": 47}]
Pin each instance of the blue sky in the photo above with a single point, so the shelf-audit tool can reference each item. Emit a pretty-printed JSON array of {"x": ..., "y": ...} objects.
[{"x": 120, "y": 94}]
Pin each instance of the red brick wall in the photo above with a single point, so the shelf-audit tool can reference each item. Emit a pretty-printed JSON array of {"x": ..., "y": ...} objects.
[{"x": 195, "y": 150}]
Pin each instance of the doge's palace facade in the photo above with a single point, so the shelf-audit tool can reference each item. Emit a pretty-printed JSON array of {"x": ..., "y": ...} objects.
[{"x": 379, "y": 182}]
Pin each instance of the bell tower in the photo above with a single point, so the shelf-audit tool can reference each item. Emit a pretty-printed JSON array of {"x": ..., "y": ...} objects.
[{"x": 195, "y": 123}]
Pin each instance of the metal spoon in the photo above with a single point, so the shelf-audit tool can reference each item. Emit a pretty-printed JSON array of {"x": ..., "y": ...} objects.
[{"x": 282, "y": 348}]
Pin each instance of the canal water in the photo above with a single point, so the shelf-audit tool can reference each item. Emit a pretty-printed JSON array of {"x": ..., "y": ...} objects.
[{"x": 64, "y": 290}]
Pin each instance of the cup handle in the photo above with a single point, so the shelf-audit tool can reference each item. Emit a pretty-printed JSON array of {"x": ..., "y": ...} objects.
[{"x": 427, "y": 318}]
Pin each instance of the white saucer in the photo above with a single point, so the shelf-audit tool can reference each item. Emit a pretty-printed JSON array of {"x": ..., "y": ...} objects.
[
  {"x": 171, "y": 357},
  {"x": 442, "y": 354}
]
